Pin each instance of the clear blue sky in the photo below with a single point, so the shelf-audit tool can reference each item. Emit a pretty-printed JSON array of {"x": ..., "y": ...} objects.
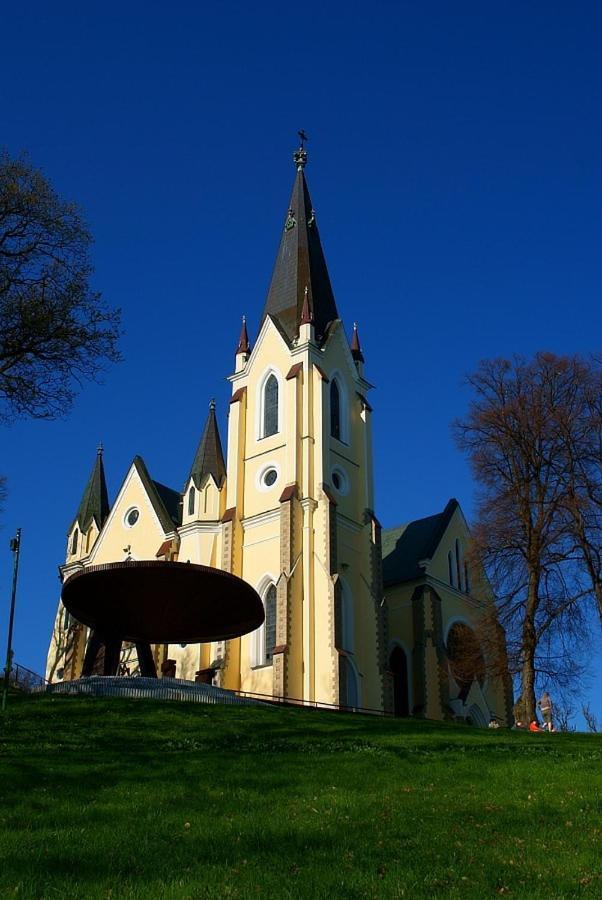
[{"x": 455, "y": 164}]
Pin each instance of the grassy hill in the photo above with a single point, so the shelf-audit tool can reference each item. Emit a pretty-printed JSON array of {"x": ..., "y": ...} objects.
[{"x": 116, "y": 798}]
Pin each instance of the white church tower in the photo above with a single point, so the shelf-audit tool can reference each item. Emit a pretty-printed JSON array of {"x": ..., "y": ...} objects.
[{"x": 299, "y": 523}]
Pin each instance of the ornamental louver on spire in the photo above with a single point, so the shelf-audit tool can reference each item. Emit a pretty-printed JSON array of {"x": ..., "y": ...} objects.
[
  {"x": 300, "y": 265},
  {"x": 94, "y": 504},
  {"x": 209, "y": 458}
]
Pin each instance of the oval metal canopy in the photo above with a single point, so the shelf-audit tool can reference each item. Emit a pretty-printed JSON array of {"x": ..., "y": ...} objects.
[{"x": 163, "y": 602}]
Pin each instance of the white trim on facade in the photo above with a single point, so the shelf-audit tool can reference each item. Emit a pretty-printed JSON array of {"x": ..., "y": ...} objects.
[
  {"x": 212, "y": 527},
  {"x": 260, "y": 519},
  {"x": 262, "y": 472}
]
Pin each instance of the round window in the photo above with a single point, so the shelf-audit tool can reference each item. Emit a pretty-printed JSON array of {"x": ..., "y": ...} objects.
[
  {"x": 270, "y": 477},
  {"x": 131, "y": 517},
  {"x": 339, "y": 480}
]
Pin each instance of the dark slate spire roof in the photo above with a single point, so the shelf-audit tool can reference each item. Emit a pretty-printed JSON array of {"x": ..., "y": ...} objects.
[
  {"x": 95, "y": 500},
  {"x": 209, "y": 459},
  {"x": 300, "y": 263}
]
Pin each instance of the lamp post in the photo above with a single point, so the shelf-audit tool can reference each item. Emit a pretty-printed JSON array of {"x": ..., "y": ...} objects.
[{"x": 15, "y": 546}]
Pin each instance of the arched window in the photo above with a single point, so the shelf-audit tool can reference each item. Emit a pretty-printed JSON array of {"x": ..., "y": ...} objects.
[
  {"x": 191, "y": 495},
  {"x": 465, "y": 656},
  {"x": 335, "y": 409},
  {"x": 343, "y": 617},
  {"x": 74, "y": 541},
  {"x": 66, "y": 620},
  {"x": 476, "y": 717},
  {"x": 352, "y": 688},
  {"x": 398, "y": 666},
  {"x": 270, "y": 406},
  {"x": 450, "y": 567},
  {"x": 459, "y": 564},
  {"x": 270, "y": 623},
  {"x": 348, "y": 686},
  {"x": 264, "y": 639},
  {"x": 466, "y": 578}
]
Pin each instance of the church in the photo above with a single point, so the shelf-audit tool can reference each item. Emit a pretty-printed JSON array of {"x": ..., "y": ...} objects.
[{"x": 356, "y": 617}]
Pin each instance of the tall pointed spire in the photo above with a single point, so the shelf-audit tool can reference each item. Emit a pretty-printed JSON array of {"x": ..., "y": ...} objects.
[
  {"x": 209, "y": 458},
  {"x": 243, "y": 341},
  {"x": 300, "y": 264},
  {"x": 95, "y": 499}
]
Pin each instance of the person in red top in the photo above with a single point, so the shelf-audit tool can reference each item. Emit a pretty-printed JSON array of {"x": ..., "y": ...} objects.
[{"x": 534, "y": 726}]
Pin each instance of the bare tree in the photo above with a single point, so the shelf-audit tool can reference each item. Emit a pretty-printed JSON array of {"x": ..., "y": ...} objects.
[
  {"x": 64, "y": 636},
  {"x": 590, "y": 719},
  {"x": 564, "y": 712},
  {"x": 54, "y": 330},
  {"x": 514, "y": 435},
  {"x": 581, "y": 465}
]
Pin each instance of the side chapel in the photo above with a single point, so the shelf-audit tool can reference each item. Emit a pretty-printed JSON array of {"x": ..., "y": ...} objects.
[{"x": 355, "y": 616}]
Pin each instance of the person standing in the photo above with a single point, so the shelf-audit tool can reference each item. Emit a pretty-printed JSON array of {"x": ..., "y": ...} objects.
[{"x": 545, "y": 705}]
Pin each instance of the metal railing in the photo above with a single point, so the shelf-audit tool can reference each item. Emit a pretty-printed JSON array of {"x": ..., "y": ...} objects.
[
  {"x": 148, "y": 688},
  {"x": 24, "y": 679},
  {"x": 182, "y": 689},
  {"x": 273, "y": 699}
]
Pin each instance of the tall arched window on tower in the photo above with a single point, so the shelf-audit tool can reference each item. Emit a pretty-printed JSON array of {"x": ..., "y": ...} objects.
[
  {"x": 191, "y": 494},
  {"x": 343, "y": 617},
  {"x": 270, "y": 623},
  {"x": 270, "y": 406},
  {"x": 450, "y": 567},
  {"x": 264, "y": 639},
  {"x": 335, "y": 409},
  {"x": 459, "y": 564},
  {"x": 74, "y": 542}
]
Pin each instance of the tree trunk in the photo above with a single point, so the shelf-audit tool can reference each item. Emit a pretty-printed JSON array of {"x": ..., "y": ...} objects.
[{"x": 529, "y": 648}]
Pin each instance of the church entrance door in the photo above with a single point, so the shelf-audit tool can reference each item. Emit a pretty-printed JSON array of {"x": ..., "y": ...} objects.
[{"x": 398, "y": 665}]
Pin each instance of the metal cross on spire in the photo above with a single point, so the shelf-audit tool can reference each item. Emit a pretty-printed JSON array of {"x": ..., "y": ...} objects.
[{"x": 300, "y": 155}]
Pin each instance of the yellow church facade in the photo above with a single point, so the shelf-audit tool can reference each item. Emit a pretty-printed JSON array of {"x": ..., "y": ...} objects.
[{"x": 354, "y": 617}]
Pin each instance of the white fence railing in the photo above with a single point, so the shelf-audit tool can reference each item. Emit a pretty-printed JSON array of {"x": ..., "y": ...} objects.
[{"x": 151, "y": 688}]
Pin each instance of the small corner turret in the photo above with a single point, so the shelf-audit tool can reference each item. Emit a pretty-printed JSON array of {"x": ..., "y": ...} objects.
[
  {"x": 203, "y": 492},
  {"x": 306, "y": 322},
  {"x": 92, "y": 512},
  {"x": 356, "y": 350},
  {"x": 243, "y": 348}
]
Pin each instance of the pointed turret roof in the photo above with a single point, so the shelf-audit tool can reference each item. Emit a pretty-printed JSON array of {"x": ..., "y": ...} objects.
[
  {"x": 95, "y": 499},
  {"x": 209, "y": 458},
  {"x": 306, "y": 315},
  {"x": 243, "y": 341},
  {"x": 356, "y": 348},
  {"x": 300, "y": 264}
]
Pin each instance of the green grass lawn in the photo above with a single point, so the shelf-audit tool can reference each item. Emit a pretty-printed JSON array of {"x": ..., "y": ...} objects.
[{"x": 133, "y": 798}]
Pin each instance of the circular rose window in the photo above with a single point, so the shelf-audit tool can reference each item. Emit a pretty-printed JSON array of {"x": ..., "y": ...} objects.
[
  {"x": 270, "y": 477},
  {"x": 132, "y": 516}
]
